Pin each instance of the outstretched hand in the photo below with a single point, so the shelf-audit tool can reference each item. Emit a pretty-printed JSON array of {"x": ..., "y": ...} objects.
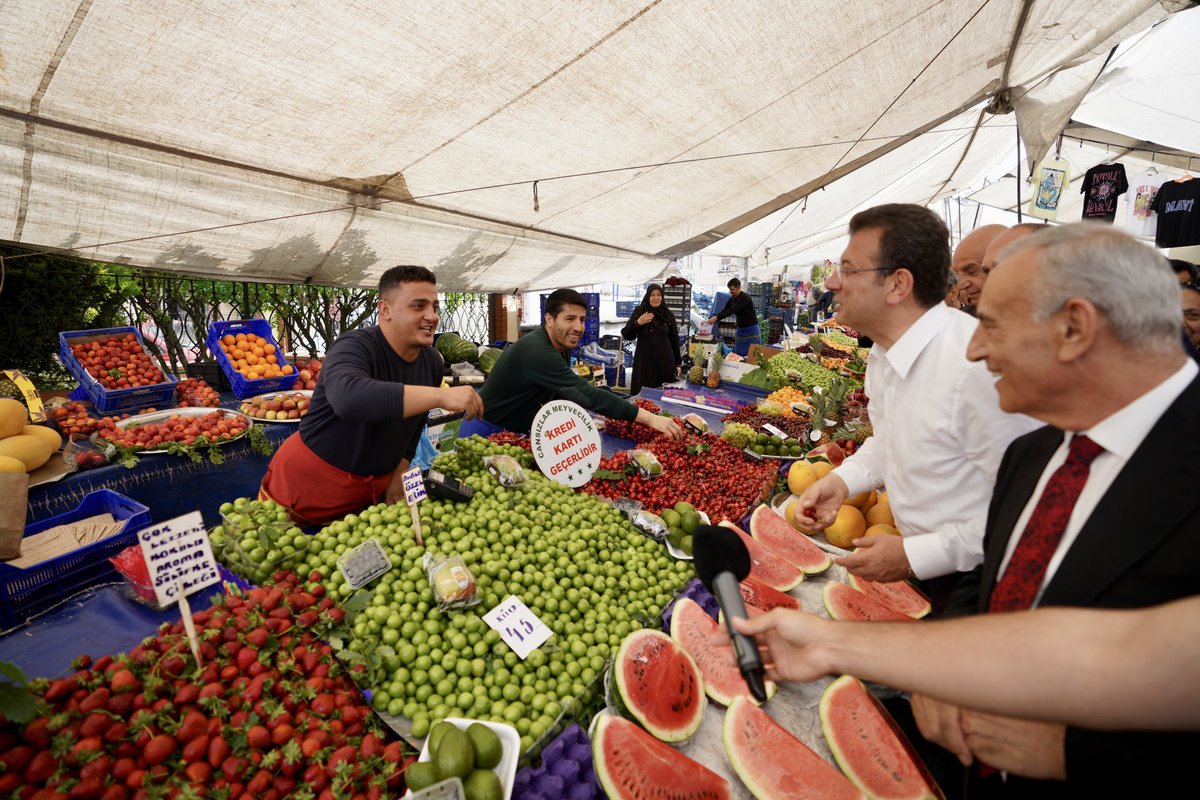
[{"x": 789, "y": 641}]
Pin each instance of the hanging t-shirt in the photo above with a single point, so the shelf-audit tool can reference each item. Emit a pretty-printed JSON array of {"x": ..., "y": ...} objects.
[
  {"x": 1102, "y": 185},
  {"x": 1051, "y": 177},
  {"x": 1178, "y": 207},
  {"x": 1140, "y": 217}
]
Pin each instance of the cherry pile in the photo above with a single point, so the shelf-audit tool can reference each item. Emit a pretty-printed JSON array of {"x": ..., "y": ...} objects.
[
  {"x": 509, "y": 437},
  {"x": 118, "y": 362},
  {"x": 706, "y": 471},
  {"x": 632, "y": 430},
  {"x": 270, "y": 714},
  {"x": 196, "y": 392},
  {"x": 216, "y": 426}
]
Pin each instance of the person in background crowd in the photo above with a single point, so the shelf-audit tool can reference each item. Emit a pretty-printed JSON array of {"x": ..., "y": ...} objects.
[
  {"x": 967, "y": 264},
  {"x": 1190, "y": 296},
  {"x": 939, "y": 430},
  {"x": 952, "y": 292},
  {"x": 536, "y": 369},
  {"x": 368, "y": 410},
  {"x": 811, "y": 299},
  {"x": 1002, "y": 241},
  {"x": 1138, "y": 670},
  {"x": 656, "y": 360},
  {"x": 742, "y": 306},
  {"x": 1185, "y": 271},
  {"x": 1063, "y": 312}
]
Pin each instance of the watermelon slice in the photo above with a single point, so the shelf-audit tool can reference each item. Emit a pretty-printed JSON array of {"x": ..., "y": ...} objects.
[
  {"x": 847, "y": 603},
  {"x": 776, "y": 572},
  {"x": 763, "y": 597},
  {"x": 781, "y": 538},
  {"x": 774, "y": 764},
  {"x": 897, "y": 595},
  {"x": 868, "y": 746},
  {"x": 658, "y": 685},
  {"x": 693, "y": 628},
  {"x": 633, "y": 765}
]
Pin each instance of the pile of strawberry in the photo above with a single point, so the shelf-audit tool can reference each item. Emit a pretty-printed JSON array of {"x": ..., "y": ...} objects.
[
  {"x": 706, "y": 471},
  {"x": 270, "y": 715},
  {"x": 632, "y": 430}
]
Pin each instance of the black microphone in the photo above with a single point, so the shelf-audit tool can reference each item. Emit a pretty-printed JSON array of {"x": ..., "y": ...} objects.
[{"x": 722, "y": 561}]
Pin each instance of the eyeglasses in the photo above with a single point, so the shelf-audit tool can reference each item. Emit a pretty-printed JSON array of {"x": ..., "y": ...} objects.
[{"x": 837, "y": 270}]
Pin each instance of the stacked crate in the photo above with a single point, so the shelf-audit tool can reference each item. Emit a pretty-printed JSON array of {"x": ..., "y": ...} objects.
[{"x": 679, "y": 300}]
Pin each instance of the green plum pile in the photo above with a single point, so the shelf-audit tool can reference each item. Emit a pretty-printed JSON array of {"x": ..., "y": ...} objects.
[
  {"x": 575, "y": 561},
  {"x": 257, "y": 538},
  {"x": 810, "y": 374}
]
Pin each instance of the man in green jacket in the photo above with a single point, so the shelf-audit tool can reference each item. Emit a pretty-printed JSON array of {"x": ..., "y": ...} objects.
[{"x": 536, "y": 369}]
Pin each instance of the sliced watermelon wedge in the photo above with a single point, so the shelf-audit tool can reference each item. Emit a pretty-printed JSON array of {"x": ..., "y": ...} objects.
[
  {"x": 763, "y": 597},
  {"x": 775, "y": 764},
  {"x": 658, "y": 685},
  {"x": 869, "y": 747},
  {"x": 897, "y": 595},
  {"x": 849, "y": 604},
  {"x": 633, "y": 765},
  {"x": 693, "y": 628},
  {"x": 766, "y": 565},
  {"x": 784, "y": 540}
]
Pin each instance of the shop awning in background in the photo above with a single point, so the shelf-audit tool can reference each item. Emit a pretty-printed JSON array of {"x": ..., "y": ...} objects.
[{"x": 309, "y": 141}]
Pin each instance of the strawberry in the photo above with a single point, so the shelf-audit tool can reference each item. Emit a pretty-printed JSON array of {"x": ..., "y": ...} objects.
[
  {"x": 123, "y": 681},
  {"x": 99, "y": 768},
  {"x": 60, "y": 689},
  {"x": 258, "y": 637},
  {"x": 40, "y": 767},
  {"x": 37, "y": 733},
  {"x": 245, "y": 657},
  {"x": 115, "y": 792},
  {"x": 95, "y": 700},
  {"x": 81, "y": 749},
  {"x": 323, "y": 705},
  {"x": 218, "y": 750},
  {"x": 198, "y": 772},
  {"x": 87, "y": 789},
  {"x": 95, "y": 724},
  {"x": 346, "y": 754},
  {"x": 159, "y": 749},
  {"x": 258, "y": 737},
  {"x": 186, "y": 694},
  {"x": 123, "y": 768},
  {"x": 196, "y": 749},
  {"x": 282, "y": 734},
  {"x": 122, "y": 704}
]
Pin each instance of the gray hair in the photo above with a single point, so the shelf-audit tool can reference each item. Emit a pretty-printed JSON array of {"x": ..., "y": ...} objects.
[{"x": 1130, "y": 282}]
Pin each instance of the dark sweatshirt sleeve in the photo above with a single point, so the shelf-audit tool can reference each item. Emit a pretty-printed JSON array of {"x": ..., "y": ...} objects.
[
  {"x": 734, "y": 305},
  {"x": 351, "y": 391},
  {"x": 554, "y": 374}
]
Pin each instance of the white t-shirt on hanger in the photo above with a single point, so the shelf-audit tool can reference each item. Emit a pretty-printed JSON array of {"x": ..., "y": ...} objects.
[{"x": 1140, "y": 217}]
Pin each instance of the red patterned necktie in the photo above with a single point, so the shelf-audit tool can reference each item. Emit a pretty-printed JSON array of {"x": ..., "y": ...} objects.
[{"x": 1022, "y": 579}]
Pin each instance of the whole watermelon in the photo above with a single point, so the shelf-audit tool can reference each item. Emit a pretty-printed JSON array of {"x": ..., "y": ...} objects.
[{"x": 487, "y": 359}]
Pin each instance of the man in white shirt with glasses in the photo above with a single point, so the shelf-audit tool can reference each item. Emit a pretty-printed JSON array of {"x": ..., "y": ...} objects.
[{"x": 939, "y": 430}]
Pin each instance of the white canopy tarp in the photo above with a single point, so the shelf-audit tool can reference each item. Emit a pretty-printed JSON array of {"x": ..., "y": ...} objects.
[{"x": 308, "y": 141}]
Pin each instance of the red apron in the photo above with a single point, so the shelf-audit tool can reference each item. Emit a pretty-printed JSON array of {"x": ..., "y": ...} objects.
[{"x": 314, "y": 491}]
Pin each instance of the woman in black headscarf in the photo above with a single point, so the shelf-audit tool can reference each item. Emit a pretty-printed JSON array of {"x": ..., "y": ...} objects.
[{"x": 656, "y": 359}]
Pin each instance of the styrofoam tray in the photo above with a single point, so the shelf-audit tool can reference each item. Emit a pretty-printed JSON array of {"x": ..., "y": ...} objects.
[{"x": 510, "y": 742}]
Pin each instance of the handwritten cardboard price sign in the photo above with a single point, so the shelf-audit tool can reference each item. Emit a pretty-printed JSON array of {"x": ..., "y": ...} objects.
[
  {"x": 519, "y": 627},
  {"x": 180, "y": 559},
  {"x": 414, "y": 486}
]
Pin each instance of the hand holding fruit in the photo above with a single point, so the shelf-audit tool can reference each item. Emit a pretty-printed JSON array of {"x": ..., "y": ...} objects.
[
  {"x": 877, "y": 558},
  {"x": 819, "y": 505}
]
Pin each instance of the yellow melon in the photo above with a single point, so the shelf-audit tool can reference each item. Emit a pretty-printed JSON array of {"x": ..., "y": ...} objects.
[
  {"x": 13, "y": 417},
  {"x": 801, "y": 475},
  {"x": 9, "y": 464},
  {"x": 848, "y": 526},
  {"x": 50, "y": 435},
  {"x": 880, "y": 514},
  {"x": 32, "y": 451}
]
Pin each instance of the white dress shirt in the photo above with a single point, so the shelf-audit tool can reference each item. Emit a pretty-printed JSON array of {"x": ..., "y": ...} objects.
[
  {"x": 1120, "y": 434},
  {"x": 939, "y": 437}
]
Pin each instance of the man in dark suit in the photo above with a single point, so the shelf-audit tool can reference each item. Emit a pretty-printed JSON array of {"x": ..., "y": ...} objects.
[{"x": 1098, "y": 509}]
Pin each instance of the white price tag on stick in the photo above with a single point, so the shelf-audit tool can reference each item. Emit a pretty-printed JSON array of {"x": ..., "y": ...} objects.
[
  {"x": 519, "y": 627},
  {"x": 771, "y": 429},
  {"x": 414, "y": 493},
  {"x": 179, "y": 556},
  {"x": 180, "y": 560}
]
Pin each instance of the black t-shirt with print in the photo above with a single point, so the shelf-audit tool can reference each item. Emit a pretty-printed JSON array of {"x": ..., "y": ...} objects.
[
  {"x": 1178, "y": 207},
  {"x": 1102, "y": 185}
]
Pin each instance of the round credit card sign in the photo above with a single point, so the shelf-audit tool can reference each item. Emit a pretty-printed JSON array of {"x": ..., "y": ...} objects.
[{"x": 565, "y": 443}]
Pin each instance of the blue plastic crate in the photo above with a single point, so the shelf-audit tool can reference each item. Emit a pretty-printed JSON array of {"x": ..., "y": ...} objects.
[
  {"x": 244, "y": 387},
  {"x": 112, "y": 401},
  {"x": 25, "y": 593}
]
